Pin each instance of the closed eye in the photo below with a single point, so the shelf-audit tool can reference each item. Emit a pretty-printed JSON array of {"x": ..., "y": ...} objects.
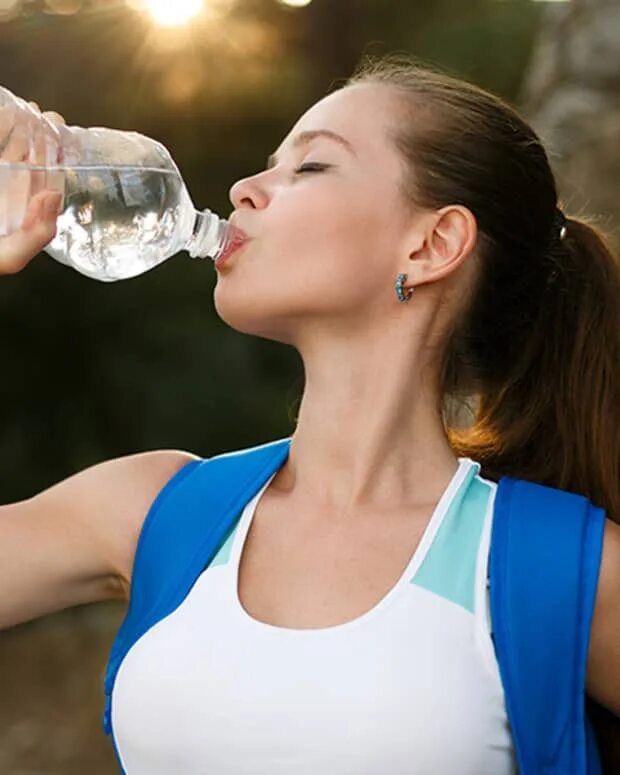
[{"x": 311, "y": 167}]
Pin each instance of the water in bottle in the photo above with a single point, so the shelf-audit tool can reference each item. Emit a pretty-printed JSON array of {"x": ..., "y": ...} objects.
[{"x": 125, "y": 206}]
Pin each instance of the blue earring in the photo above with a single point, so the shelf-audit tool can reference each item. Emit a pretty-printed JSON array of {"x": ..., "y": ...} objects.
[{"x": 399, "y": 288}]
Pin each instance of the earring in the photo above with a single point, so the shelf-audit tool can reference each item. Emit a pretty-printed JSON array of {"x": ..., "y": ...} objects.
[{"x": 399, "y": 288}]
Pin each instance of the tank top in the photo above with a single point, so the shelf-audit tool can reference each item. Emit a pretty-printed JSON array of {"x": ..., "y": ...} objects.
[{"x": 410, "y": 687}]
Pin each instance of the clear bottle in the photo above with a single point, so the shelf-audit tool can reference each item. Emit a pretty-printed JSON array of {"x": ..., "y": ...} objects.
[{"x": 125, "y": 206}]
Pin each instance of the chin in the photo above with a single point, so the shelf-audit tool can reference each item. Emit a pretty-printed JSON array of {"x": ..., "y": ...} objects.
[{"x": 244, "y": 313}]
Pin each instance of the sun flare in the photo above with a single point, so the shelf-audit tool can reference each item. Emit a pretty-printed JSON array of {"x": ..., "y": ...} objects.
[{"x": 173, "y": 13}]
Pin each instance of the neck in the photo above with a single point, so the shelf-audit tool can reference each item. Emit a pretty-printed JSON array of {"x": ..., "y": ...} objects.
[{"x": 369, "y": 436}]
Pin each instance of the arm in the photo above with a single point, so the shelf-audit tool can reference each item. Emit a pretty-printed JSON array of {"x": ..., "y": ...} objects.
[
  {"x": 75, "y": 542},
  {"x": 603, "y": 675}
]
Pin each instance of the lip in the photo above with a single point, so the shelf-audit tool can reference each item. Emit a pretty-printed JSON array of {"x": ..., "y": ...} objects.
[{"x": 238, "y": 240}]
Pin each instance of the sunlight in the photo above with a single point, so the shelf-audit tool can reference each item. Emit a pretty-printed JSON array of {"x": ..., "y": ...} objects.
[
  {"x": 9, "y": 9},
  {"x": 173, "y": 13}
]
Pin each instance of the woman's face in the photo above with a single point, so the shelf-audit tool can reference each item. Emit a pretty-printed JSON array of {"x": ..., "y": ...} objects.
[{"x": 326, "y": 221}]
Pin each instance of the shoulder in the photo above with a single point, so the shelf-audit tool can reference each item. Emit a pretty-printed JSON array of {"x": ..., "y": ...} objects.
[
  {"x": 603, "y": 676},
  {"x": 142, "y": 476},
  {"x": 83, "y": 531},
  {"x": 111, "y": 501}
]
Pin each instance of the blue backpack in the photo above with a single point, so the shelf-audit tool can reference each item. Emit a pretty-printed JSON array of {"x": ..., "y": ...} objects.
[{"x": 546, "y": 548}]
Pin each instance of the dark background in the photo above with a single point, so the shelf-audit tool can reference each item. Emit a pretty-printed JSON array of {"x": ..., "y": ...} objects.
[{"x": 95, "y": 370}]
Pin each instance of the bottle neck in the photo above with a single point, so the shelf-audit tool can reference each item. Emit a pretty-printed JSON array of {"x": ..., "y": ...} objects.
[{"x": 210, "y": 236}]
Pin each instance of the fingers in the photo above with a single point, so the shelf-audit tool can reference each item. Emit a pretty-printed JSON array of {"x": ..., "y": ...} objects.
[
  {"x": 42, "y": 209},
  {"x": 51, "y": 115},
  {"x": 34, "y": 138},
  {"x": 38, "y": 230},
  {"x": 54, "y": 117}
]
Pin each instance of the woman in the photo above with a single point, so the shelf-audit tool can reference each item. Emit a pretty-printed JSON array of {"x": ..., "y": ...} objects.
[{"x": 406, "y": 239}]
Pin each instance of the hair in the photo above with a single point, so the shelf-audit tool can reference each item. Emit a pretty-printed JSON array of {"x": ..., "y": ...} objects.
[{"x": 535, "y": 347}]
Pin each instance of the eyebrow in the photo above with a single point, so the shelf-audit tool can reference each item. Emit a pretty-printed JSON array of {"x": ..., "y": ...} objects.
[{"x": 303, "y": 138}]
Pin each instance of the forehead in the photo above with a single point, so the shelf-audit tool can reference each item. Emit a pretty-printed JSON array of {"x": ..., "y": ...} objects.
[{"x": 362, "y": 114}]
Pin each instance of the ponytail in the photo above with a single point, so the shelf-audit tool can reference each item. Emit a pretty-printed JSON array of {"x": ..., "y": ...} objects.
[{"x": 555, "y": 419}]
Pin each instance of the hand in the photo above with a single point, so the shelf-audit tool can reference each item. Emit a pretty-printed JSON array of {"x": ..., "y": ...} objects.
[
  {"x": 38, "y": 229},
  {"x": 29, "y": 136}
]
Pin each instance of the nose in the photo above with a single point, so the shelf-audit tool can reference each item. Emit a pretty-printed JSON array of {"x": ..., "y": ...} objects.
[{"x": 248, "y": 192}]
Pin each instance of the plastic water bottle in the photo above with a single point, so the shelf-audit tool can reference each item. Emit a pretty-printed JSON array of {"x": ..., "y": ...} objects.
[{"x": 125, "y": 206}]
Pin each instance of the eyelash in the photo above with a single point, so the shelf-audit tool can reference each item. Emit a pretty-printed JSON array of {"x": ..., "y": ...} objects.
[{"x": 311, "y": 167}]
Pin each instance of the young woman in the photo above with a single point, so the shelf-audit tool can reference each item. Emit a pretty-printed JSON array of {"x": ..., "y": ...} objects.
[{"x": 407, "y": 240}]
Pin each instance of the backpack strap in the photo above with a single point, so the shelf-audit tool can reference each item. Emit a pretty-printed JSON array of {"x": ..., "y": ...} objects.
[
  {"x": 545, "y": 555},
  {"x": 187, "y": 523}
]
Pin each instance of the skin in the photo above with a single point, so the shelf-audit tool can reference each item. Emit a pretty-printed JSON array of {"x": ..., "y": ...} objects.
[
  {"x": 368, "y": 441},
  {"x": 38, "y": 229},
  {"x": 39, "y": 226},
  {"x": 319, "y": 274}
]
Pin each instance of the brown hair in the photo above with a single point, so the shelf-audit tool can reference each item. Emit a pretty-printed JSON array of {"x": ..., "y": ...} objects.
[{"x": 537, "y": 344}]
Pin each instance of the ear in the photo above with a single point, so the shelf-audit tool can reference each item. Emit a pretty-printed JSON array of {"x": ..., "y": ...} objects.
[{"x": 449, "y": 237}]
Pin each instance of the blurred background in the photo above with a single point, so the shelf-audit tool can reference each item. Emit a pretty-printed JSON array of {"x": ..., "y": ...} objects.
[{"x": 96, "y": 370}]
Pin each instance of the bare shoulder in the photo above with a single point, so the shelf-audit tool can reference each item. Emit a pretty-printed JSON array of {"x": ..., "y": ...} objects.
[
  {"x": 74, "y": 542},
  {"x": 110, "y": 500},
  {"x": 603, "y": 677}
]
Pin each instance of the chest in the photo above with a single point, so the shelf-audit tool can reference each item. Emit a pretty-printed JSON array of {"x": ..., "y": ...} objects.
[{"x": 304, "y": 574}]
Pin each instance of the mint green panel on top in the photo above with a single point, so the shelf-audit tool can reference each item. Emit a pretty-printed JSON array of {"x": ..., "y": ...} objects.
[
  {"x": 449, "y": 568},
  {"x": 223, "y": 555}
]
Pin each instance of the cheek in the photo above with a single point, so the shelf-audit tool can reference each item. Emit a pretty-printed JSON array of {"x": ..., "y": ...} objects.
[
  {"x": 331, "y": 259},
  {"x": 329, "y": 240}
]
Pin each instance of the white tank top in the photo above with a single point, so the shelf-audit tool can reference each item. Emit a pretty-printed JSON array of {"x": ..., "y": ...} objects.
[{"x": 411, "y": 687}]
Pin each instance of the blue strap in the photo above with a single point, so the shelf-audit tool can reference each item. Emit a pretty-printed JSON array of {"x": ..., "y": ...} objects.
[
  {"x": 544, "y": 562},
  {"x": 187, "y": 523},
  {"x": 545, "y": 555}
]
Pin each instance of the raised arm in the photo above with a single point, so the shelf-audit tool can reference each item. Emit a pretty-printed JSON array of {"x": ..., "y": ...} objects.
[{"x": 75, "y": 542}]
